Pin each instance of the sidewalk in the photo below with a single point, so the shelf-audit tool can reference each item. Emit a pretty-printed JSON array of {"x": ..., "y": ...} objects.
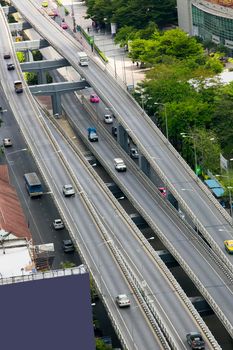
[{"x": 119, "y": 64}]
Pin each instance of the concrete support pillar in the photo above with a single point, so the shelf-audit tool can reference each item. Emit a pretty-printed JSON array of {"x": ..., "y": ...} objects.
[
  {"x": 41, "y": 74},
  {"x": 122, "y": 138},
  {"x": 144, "y": 165},
  {"x": 56, "y": 103}
]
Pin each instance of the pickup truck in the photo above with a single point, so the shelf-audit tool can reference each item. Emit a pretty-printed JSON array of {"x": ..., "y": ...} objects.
[{"x": 92, "y": 135}]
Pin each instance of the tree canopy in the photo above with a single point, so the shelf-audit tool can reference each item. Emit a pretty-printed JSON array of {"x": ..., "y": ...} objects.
[{"x": 135, "y": 13}]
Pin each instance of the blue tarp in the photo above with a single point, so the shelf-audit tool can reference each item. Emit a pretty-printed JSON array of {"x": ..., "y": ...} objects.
[
  {"x": 218, "y": 192},
  {"x": 212, "y": 183},
  {"x": 215, "y": 187}
]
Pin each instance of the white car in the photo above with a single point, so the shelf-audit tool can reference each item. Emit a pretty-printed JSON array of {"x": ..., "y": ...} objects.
[
  {"x": 7, "y": 142},
  {"x": 119, "y": 164},
  {"x": 58, "y": 224},
  {"x": 68, "y": 190},
  {"x": 122, "y": 300},
  {"x": 108, "y": 119}
]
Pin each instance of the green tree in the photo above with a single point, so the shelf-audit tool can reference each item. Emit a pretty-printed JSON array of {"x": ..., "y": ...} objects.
[
  {"x": 222, "y": 119},
  {"x": 20, "y": 56},
  {"x": 205, "y": 146},
  {"x": 31, "y": 78},
  {"x": 124, "y": 35},
  {"x": 135, "y": 13},
  {"x": 100, "y": 345}
]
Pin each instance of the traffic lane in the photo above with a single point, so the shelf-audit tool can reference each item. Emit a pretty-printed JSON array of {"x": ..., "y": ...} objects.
[
  {"x": 70, "y": 49},
  {"x": 110, "y": 219},
  {"x": 84, "y": 227},
  {"x": 161, "y": 218},
  {"x": 39, "y": 212}
]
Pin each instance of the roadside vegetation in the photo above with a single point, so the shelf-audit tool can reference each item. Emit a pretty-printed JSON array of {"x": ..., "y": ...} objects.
[{"x": 181, "y": 82}]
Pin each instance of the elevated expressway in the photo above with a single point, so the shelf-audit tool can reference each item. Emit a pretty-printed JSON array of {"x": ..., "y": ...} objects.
[
  {"x": 207, "y": 214},
  {"x": 205, "y": 211},
  {"x": 111, "y": 257}
]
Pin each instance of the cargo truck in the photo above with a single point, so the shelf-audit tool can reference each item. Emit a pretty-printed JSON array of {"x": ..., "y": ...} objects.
[
  {"x": 18, "y": 86},
  {"x": 83, "y": 59}
]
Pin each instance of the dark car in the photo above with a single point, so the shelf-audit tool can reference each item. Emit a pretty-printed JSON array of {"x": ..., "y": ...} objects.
[
  {"x": 10, "y": 66},
  {"x": 195, "y": 341},
  {"x": 134, "y": 153},
  {"x": 67, "y": 245},
  {"x": 114, "y": 130},
  {"x": 6, "y": 56}
]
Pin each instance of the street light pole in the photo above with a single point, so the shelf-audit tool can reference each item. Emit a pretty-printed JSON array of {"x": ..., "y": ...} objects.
[
  {"x": 73, "y": 17},
  {"x": 184, "y": 134},
  {"x": 165, "y": 113},
  {"x": 230, "y": 200}
]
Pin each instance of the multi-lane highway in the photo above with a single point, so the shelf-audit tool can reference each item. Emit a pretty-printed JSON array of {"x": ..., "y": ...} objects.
[
  {"x": 207, "y": 214},
  {"x": 212, "y": 284},
  {"x": 132, "y": 326}
]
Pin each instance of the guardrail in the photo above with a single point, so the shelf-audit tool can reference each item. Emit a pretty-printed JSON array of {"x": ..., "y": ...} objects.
[
  {"x": 181, "y": 293},
  {"x": 127, "y": 272}
]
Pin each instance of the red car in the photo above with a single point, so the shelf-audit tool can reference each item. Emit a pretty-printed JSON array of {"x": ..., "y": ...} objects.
[
  {"x": 94, "y": 98},
  {"x": 64, "y": 25},
  {"x": 163, "y": 191}
]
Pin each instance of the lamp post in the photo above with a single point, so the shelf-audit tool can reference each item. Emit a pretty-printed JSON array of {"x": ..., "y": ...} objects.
[
  {"x": 184, "y": 135},
  {"x": 165, "y": 113},
  {"x": 230, "y": 199},
  {"x": 229, "y": 188},
  {"x": 73, "y": 17}
]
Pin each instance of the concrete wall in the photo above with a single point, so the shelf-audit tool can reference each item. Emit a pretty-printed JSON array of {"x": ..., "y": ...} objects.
[{"x": 185, "y": 15}]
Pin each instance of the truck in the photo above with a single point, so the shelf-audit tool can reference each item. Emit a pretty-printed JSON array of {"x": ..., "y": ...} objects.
[
  {"x": 83, "y": 59},
  {"x": 33, "y": 185},
  {"x": 119, "y": 164},
  {"x": 18, "y": 86},
  {"x": 92, "y": 135}
]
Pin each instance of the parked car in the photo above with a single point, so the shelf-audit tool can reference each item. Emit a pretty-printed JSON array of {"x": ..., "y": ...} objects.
[
  {"x": 122, "y": 300},
  {"x": 94, "y": 98},
  {"x": 195, "y": 341},
  {"x": 58, "y": 224},
  {"x": 134, "y": 153},
  {"x": 108, "y": 119},
  {"x": 10, "y": 66},
  {"x": 67, "y": 245},
  {"x": 68, "y": 190},
  {"x": 229, "y": 245},
  {"x": 7, "y": 142},
  {"x": 6, "y": 56},
  {"x": 64, "y": 25}
]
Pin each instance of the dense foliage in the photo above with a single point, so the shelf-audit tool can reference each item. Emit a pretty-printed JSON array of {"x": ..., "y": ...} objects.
[{"x": 135, "y": 13}]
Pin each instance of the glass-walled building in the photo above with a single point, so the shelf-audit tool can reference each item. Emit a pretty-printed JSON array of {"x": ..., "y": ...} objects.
[{"x": 209, "y": 19}]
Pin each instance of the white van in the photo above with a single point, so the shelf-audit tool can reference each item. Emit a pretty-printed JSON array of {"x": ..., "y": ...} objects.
[{"x": 119, "y": 164}]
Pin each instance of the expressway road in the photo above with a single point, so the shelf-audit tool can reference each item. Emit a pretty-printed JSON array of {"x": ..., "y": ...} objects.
[
  {"x": 77, "y": 219},
  {"x": 133, "y": 325},
  {"x": 152, "y": 144},
  {"x": 85, "y": 233},
  {"x": 156, "y": 211}
]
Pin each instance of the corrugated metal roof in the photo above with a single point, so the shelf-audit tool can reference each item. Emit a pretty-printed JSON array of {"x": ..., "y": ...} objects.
[{"x": 12, "y": 218}]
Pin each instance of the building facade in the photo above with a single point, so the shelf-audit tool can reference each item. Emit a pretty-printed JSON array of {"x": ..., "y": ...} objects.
[{"x": 209, "y": 19}]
